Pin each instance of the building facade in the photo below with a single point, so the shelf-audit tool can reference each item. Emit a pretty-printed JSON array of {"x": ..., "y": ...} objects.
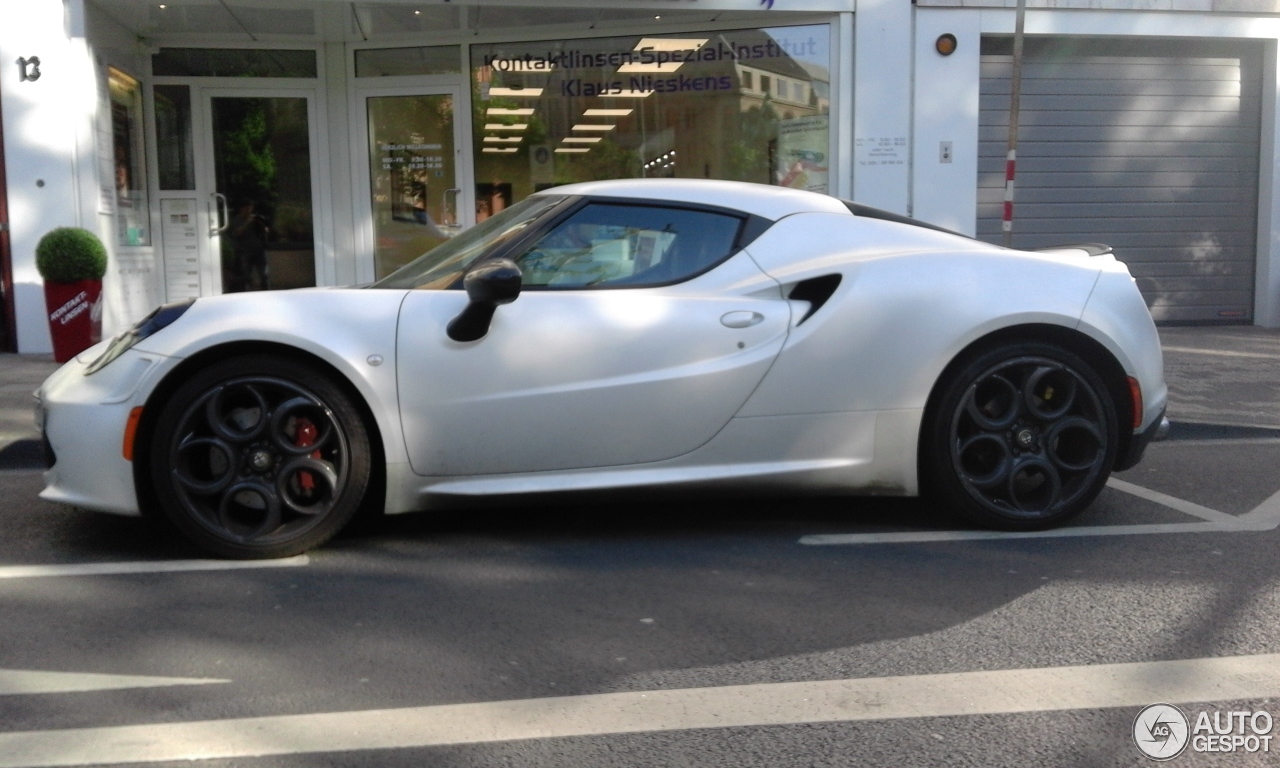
[{"x": 231, "y": 146}]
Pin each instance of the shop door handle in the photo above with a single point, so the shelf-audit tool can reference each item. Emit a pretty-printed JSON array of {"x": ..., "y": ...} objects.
[{"x": 222, "y": 214}]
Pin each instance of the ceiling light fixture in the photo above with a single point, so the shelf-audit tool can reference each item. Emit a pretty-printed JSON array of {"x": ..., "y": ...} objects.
[
  {"x": 670, "y": 43},
  {"x": 666, "y": 66},
  {"x": 499, "y": 150},
  {"x": 570, "y": 150},
  {"x": 607, "y": 112},
  {"x": 509, "y": 112},
  {"x": 581, "y": 139},
  {"x": 532, "y": 93},
  {"x": 505, "y": 127},
  {"x": 593, "y": 127}
]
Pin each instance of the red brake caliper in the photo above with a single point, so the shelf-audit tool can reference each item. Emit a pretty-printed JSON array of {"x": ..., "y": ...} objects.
[{"x": 306, "y": 435}]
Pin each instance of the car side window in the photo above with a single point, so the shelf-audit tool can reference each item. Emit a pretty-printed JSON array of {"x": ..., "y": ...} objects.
[{"x": 615, "y": 245}]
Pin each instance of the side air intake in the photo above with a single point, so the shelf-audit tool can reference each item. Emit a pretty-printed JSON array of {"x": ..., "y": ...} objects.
[{"x": 816, "y": 291}]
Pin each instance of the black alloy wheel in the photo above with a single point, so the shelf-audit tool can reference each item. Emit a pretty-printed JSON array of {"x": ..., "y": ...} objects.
[
  {"x": 259, "y": 457},
  {"x": 1022, "y": 438}
]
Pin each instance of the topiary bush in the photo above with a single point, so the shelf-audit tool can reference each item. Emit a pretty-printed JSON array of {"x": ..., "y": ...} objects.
[{"x": 68, "y": 254}]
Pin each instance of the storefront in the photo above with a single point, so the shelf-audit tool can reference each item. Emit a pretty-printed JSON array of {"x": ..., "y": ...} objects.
[
  {"x": 316, "y": 143},
  {"x": 222, "y": 147}
]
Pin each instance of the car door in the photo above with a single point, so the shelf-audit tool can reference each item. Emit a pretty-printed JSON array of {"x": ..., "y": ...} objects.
[{"x": 640, "y": 331}]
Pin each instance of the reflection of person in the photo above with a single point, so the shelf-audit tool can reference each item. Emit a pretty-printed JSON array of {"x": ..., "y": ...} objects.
[{"x": 249, "y": 232}]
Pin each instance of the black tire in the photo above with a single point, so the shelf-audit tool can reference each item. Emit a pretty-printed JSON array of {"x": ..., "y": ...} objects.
[
  {"x": 1021, "y": 437},
  {"x": 259, "y": 457}
]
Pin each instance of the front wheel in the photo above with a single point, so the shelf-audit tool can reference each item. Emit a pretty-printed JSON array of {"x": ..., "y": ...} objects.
[
  {"x": 259, "y": 457},
  {"x": 1022, "y": 437}
]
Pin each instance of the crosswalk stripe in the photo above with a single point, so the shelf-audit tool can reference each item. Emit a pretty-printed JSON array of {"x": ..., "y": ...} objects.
[
  {"x": 883, "y": 698},
  {"x": 22, "y": 681}
]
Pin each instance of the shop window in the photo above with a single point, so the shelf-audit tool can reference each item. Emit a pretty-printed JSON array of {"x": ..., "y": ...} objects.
[
  {"x": 558, "y": 112},
  {"x": 390, "y": 62},
  {"x": 233, "y": 62},
  {"x": 128, "y": 174}
]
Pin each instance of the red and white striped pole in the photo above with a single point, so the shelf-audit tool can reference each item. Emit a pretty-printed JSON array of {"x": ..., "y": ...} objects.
[{"x": 1015, "y": 99}]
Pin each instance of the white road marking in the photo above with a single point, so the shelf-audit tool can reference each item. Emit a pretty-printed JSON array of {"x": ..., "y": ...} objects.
[
  {"x": 146, "y": 566},
  {"x": 908, "y": 537},
  {"x": 1188, "y": 507},
  {"x": 1220, "y": 352},
  {"x": 1214, "y": 441},
  {"x": 1264, "y": 517},
  {"x": 826, "y": 701},
  {"x": 21, "y": 682}
]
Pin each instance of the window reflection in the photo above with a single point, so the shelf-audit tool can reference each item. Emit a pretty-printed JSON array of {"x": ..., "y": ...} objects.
[{"x": 747, "y": 105}]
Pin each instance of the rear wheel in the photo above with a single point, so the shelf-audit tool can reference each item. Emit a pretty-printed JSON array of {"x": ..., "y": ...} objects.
[
  {"x": 1022, "y": 437},
  {"x": 259, "y": 457}
]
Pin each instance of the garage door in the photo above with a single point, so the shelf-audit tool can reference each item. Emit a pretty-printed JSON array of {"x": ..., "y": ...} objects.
[{"x": 1150, "y": 146}]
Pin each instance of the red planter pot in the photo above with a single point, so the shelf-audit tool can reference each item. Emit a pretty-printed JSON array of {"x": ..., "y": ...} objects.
[{"x": 75, "y": 316}]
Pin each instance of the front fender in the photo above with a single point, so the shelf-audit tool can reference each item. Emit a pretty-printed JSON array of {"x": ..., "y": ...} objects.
[{"x": 345, "y": 328}]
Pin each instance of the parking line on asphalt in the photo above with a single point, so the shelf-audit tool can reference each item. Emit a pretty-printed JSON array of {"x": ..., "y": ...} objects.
[
  {"x": 997, "y": 692},
  {"x": 14, "y": 682},
  {"x": 145, "y": 566},
  {"x": 1264, "y": 517},
  {"x": 1164, "y": 499},
  {"x": 1220, "y": 352}
]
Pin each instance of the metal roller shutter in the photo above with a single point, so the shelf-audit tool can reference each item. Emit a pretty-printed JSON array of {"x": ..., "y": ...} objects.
[{"x": 1150, "y": 146}]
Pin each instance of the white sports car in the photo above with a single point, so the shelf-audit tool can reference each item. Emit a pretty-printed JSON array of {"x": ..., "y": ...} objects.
[{"x": 618, "y": 334}]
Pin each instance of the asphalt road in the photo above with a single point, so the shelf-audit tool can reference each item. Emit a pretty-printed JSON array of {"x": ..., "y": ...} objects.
[{"x": 619, "y": 632}]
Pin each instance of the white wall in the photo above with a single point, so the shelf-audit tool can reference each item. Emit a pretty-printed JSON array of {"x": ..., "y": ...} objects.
[
  {"x": 47, "y": 129},
  {"x": 945, "y": 109},
  {"x": 882, "y": 104}
]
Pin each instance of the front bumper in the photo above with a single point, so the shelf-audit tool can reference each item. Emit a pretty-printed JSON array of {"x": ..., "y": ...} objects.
[
  {"x": 84, "y": 421},
  {"x": 1158, "y": 430}
]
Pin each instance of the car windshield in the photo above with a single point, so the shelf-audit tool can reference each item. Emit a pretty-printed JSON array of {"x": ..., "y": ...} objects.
[{"x": 441, "y": 266}]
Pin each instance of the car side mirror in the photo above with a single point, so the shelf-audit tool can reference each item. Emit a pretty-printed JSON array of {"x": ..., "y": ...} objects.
[{"x": 488, "y": 284}]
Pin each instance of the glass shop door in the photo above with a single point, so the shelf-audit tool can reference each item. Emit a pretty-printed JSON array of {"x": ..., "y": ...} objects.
[
  {"x": 417, "y": 196},
  {"x": 259, "y": 183}
]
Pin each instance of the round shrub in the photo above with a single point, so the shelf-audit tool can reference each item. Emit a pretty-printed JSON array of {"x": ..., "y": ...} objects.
[{"x": 68, "y": 254}]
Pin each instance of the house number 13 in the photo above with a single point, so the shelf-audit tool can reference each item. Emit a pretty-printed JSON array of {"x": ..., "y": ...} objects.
[{"x": 29, "y": 69}]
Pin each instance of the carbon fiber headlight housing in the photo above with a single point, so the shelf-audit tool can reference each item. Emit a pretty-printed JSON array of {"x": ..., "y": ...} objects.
[{"x": 159, "y": 318}]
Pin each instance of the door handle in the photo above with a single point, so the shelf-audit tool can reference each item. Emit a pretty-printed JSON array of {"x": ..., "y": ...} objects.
[
  {"x": 741, "y": 319},
  {"x": 222, "y": 214}
]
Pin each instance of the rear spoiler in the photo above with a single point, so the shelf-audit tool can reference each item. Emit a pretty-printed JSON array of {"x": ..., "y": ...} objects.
[{"x": 1092, "y": 249}]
